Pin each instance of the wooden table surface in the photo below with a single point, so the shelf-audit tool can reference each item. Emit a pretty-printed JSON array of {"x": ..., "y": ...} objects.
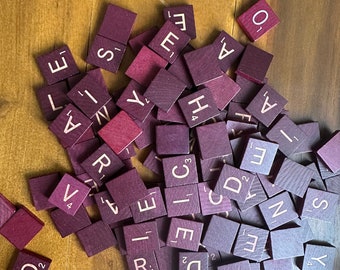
[{"x": 305, "y": 70}]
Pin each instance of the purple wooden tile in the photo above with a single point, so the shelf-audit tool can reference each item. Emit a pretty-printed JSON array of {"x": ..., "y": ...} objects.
[
  {"x": 106, "y": 53},
  {"x": 192, "y": 260},
  {"x": 255, "y": 266},
  {"x": 88, "y": 135},
  {"x": 57, "y": 65},
  {"x": 7, "y": 209},
  {"x": 87, "y": 180},
  {"x": 214, "y": 257},
  {"x": 182, "y": 200},
  {"x": 167, "y": 258},
  {"x": 169, "y": 41},
  {"x": 145, "y": 66},
  {"x": 148, "y": 131},
  {"x": 234, "y": 183},
  {"x": 320, "y": 205},
  {"x": 163, "y": 224},
  {"x": 203, "y": 65},
  {"x": 117, "y": 23},
  {"x": 333, "y": 184},
  {"x": 325, "y": 172},
  {"x": 248, "y": 90},
  {"x": 242, "y": 265},
  {"x": 144, "y": 261},
  {"x": 70, "y": 125},
  {"x": 183, "y": 17},
  {"x": 27, "y": 259},
  {"x": 127, "y": 188},
  {"x": 172, "y": 139},
  {"x": 69, "y": 194},
  {"x": 154, "y": 163},
  {"x": 164, "y": 90},
  {"x": 184, "y": 234},
  {"x": 141, "y": 238},
  {"x": 127, "y": 152},
  {"x": 96, "y": 238},
  {"x": 318, "y": 257},
  {"x": 142, "y": 39},
  {"x": 98, "y": 76},
  {"x": 286, "y": 264},
  {"x": 211, "y": 168},
  {"x": 236, "y": 112},
  {"x": 330, "y": 152},
  {"x": 258, "y": 20},
  {"x": 237, "y": 129},
  {"x": 41, "y": 188},
  {"x": 174, "y": 115},
  {"x": 104, "y": 115},
  {"x": 312, "y": 129},
  {"x": 21, "y": 227},
  {"x": 198, "y": 107},
  {"x": 254, "y": 64},
  {"x": 255, "y": 196},
  {"x": 251, "y": 216}
]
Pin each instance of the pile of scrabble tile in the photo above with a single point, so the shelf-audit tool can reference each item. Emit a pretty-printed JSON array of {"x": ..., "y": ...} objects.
[{"x": 232, "y": 195}]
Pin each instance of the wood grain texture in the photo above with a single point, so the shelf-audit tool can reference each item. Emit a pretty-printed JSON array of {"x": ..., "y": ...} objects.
[{"x": 305, "y": 70}]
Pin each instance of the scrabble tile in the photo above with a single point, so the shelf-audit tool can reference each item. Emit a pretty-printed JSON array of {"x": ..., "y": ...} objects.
[
  {"x": 28, "y": 259},
  {"x": 87, "y": 180},
  {"x": 267, "y": 180},
  {"x": 183, "y": 17},
  {"x": 198, "y": 107},
  {"x": 154, "y": 163},
  {"x": 142, "y": 39},
  {"x": 57, "y": 65},
  {"x": 172, "y": 139},
  {"x": 21, "y": 227},
  {"x": 248, "y": 90},
  {"x": 259, "y": 156},
  {"x": 242, "y": 265},
  {"x": 136, "y": 262},
  {"x": 330, "y": 152},
  {"x": 104, "y": 115},
  {"x": 220, "y": 234},
  {"x": 150, "y": 207},
  {"x": 234, "y": 183},
  {"x": 313, "y": 138},
  {"x": 189, "y": 260},
  {"x": 333, "y": 184},
  {"x": 69, "y": 194},
  {"x": 169, "y": 41},
  {"x": 289, "y": 172},
  {"x": 320, "y": 205},
  {"x": 52, "y": 99},
  {"x": 174, "y": 115},
  {"x": 203, "y": 65},
  {"x": 164, "y": 89},
  {"x": 148, "y": 131},
  {"x": 318, "y": 257},
  {"x": 258, "y": 20},
  {"x": 182, "y": 200},
  {"x": 118, "y": 232},
  {"x": 120, "y": 132},
  {"x": 252, "y": 216},
  {"x": 255, "y": 266},
  {"x": 88, "y": 135},
  {"x": 163, "y": 224},
  {"x": 98, "y": 76},
  {"x": 255, "y": 196},
  {"x": 67, "y": 224},
  {"x": 167, "y": 258},
  {"x": 278, "y": 264},
  {"x": 145, "y": 66},
  {"x": 117, "y": 23},
  {"x": 127, "y": 188},
  {"x": 278, "y": 210},
  {"x": 106, "y": 53},
  {"x": 70, "y": 125},
  {"x": 141, "y": 238},
  {"x": 41, "y": 188},
  {"x": 7, "y": 209},
  {"x": 184, "y": 234},
  {"x": 236, "y": 112},
  {"x": 324, "y": 171},
  {"x": 127, "y": 153},
  {"x": 237, "y": 129},
  {"x": 211, "y": 168},
  {"x": 96, "y": 238}
]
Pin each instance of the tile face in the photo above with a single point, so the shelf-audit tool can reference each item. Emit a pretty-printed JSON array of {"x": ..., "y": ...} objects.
[
  {"x": 137, "y": 42},
  {"x": 174, "y": 115},
  {"x": 251, "y": 216},
  {"x": 238, "y": 129},
  {"x": 278, "y": 264},
  {"x": 333, "y": 184},
  {"x": 193, "y": 259},
  {"x": 318, "y": 257},
  {"x": 57, "y": 65},
  {"x": 242, "y": 265},
  {"x": 136, "y": 262},
  {"x": 255, "y": 196},
  {"x": 167, "y": 258},
  {"x": 104, "y": 115},
  {"x": 7, "y": 209},
  {"x": 312, "y": 129},
  {"x": 154, "y": 163},
  {"x": 330, "y": 153},
  {"x": 32, "y": 260}
]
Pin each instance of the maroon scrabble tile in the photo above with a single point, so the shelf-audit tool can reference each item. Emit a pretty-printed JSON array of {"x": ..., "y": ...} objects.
[
  {"x": 96, "y": 238},
  {"x": 192, "y": 260},
  {"x": 238, "y": 129},
  {"x": 278, "y": 210},
  {"x": 127, "y": 188},
  {"x": 286, "y": 264},
  {"x": 134, "y": 102},
  {"x": 174, "y": 115},
  {"x": 104, "y": 115},
  {"x": 254, "y": 64},
  {"x": 184, "y": 234},
  {"x": 154, "y": 163},
  {"x": 255, "y": 196},
  {"x": 120, "y": 132},
  {"x": 312, "y": 129},
  {"x": 319, "y": 257},
  {"x": 203, "y": 65},
  {"x": 169, "y": 41},
  {"x": 21, "y": 227},
  {"x": 141, "y": 238},
  {"x": 248, "y": 90},
  {"x": 172, "y": 139},
  {"x": 251, "y": 216},
  {"x": 41, "y": 188},
  {"x": 52, "y": 99},
  {"x": 250, "y": 242},
  {"x": 198, "y": 107},
  {"x": 333, "y": 184},
  {"x": 258, "y": 20},
  {"x": 106, "y": 53},
  {"x": 137, "y": 42},
  {"x": 69, "y": 194},
  {"x": 67, "y": 224},
  {"x": 220, "y": 234},
  {"x": 320, "y": 205},
  {"x": 330, "y": 152},
  {"x": 183, "y": 17},
  {"x": 145, "y": 66},
  {"x": 117, "y": 24},
  {"x": 182, "y": 200},
  {"x": 87, "y": 180},
  {"x": 150, "y": 207},
  {"x": 236, "y": 112},
  {"x": 164, "y": 90},
  {"x": 148, "y": 260},
  {"x": 88, "y": 135},
  {"x": 212, "y": 203},
  {"x": 289, "y": 172},
  {"x": 180, "y": 170},
  {"x": 242, "y": 265},
  {"x": 234, "y": 183},
  {"x": 29, "y": 260},
  {"x": 7, "y": 209},
  {"x": 167, "y": 258},
  {"x": 98, "y": 76},
  {"x": 211, "y": 168},
  {"x": 148, "y": 131},
  {"x": 57, "y": 65},
  {"x": 259, "y": 156}
]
